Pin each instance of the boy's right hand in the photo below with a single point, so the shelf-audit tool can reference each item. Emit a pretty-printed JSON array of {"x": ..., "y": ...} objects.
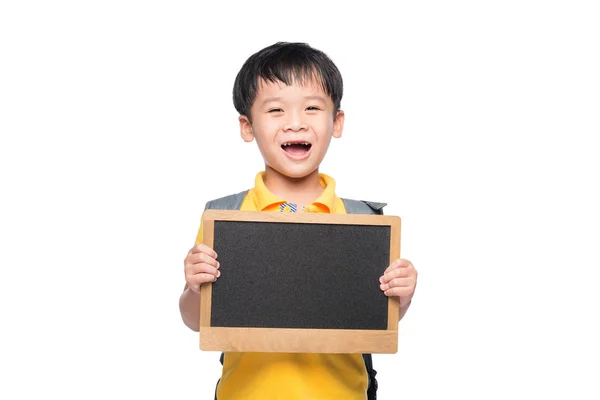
[{"x": 200, "y": 266}]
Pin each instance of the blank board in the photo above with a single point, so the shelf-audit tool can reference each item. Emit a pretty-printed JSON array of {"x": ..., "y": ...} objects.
[{"x": 299, "y": 282}]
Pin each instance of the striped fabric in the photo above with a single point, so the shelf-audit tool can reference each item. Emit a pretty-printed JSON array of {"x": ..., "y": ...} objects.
[{"x": 289, "y": 207}]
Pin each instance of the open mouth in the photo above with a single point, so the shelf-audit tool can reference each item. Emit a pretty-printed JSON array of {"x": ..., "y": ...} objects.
[{"x": 296, "y": 148}]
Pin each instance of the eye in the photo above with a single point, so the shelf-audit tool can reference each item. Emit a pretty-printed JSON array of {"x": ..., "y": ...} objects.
[
  {"x": 275, "y": 110},
  {"x": 313, "y": 108}
]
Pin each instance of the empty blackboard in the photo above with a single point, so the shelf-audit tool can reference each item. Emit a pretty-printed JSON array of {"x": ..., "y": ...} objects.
[{"x": 299, "y": 282}]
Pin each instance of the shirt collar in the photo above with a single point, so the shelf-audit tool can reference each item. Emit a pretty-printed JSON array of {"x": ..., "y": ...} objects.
[{"x": 325, "y": 202}]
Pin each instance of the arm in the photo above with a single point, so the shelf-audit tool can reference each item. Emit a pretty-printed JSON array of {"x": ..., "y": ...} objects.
[
  {"x": 189, "y": 307},
  {"x": 402, "y": 310}
]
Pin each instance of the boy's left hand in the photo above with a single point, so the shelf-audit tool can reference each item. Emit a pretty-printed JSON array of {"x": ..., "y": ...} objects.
[{"x": 399, "y": 279}]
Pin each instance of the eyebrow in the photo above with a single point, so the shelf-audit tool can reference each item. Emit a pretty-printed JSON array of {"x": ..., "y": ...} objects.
[
  {"x": 270, "y": 99},
  {"x": 315, "y": 98}
]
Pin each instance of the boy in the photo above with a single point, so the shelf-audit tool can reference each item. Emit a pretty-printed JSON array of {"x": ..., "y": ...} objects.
[{"x": 288, "y": 96}]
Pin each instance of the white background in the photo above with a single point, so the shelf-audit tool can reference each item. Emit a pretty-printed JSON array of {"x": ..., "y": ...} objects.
[{"x": 474, "y": 120}]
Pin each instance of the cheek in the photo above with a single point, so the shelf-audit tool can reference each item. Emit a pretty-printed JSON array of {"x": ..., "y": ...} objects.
[
  {"x": 265, "y": 127},
  {"x": 325, "y": 129},
  {"x": 322, "y": 126}
]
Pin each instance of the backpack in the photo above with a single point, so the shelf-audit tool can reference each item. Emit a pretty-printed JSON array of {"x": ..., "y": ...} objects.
[{"x": 234, "y": 202}]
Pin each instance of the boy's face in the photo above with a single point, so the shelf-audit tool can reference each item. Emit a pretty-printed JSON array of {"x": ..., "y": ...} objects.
[{"x": 293, "y": 126}]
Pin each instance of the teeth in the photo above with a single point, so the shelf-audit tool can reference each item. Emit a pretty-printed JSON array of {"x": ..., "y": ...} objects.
[{"x": 303, "y": 144}]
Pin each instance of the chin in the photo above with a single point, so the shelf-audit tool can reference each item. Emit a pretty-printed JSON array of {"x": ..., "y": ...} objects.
[{"x": 295, "y": 174}]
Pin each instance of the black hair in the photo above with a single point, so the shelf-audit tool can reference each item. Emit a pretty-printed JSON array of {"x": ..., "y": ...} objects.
[{"x": 287, "y": 63}]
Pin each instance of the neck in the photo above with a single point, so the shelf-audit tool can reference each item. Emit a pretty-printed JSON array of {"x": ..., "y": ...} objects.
[{"x": 303, "y": 190}]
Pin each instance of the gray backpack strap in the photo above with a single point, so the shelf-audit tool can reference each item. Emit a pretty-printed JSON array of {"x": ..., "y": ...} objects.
[
  {"x": 231, "y": 202},
  {"x": 363, "y": 207}
]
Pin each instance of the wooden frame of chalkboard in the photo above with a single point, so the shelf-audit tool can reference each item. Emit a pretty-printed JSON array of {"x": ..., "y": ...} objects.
[{"x": 235, "y": 314}]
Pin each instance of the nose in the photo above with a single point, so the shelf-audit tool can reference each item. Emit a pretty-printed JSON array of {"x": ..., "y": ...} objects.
[{"x": 295, "y": 122}]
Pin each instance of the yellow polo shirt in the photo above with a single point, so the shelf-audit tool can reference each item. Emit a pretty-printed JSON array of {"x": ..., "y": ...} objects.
[{"x": 292, "y": 376}]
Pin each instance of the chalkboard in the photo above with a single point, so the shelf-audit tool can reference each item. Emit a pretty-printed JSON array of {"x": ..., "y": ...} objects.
[{"x": 299, "y": 282}]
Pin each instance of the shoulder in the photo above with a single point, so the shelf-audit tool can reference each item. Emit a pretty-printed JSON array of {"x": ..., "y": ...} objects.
[
  {"x": 230, "y": 202},
  {"x": 363, "y": 206}
]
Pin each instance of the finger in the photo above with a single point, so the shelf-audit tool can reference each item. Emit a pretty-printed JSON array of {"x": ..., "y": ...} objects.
[
  {"x": 198, "y": 258},
  {"x": 398, "y": 282},
  {"x": 402, "y": 263},
  {"x": 392, "y": 266},
  {"x": 396, "y": 273},
  {"x": 195, "y": 281},
  {"x": 399, "y": 291},
  {"x": 202, "y": 248},
  {"x": 398, "y": 263},
  {"x": 202, "y": 268}
]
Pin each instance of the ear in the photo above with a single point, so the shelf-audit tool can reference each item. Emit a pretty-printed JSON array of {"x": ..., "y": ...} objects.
[
  {"x": 338, "y": 124},
  {"x": 246, "y": 131}
]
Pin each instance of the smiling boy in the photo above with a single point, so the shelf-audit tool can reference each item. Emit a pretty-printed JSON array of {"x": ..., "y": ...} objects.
[{"x": 288, "y": 96}]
